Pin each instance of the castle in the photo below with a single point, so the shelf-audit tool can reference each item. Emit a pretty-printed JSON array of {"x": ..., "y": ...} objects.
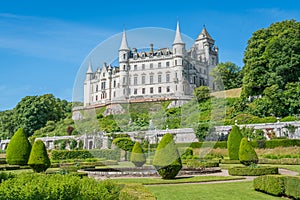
[{"x": 163, "y": 74}]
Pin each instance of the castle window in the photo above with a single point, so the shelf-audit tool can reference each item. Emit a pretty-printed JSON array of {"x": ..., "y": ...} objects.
[
  {"x": 159, "y": 65},
  {"x": 135, "y": 91},
  {"x": 114, "y": 93},
  {"x": 167, "y": 78},
  {"x": 143, "y": 66},
  {"x": 151, "y": 79},
  {"x": 124, "y": 67},
  {"x": 175, "y": 50},
  {"x": 96, "y": 97},
  {"x": 135, "y": 67},
  {"x": 103, "y": 74},
  {"x": 124, "y": 56},
  {"x": 159, "y": 78},
  {"x": 96, "y": 88},
  {"x": 159, "y": 89},
  {"x": 151, "y": 65},
  {"x": 204, "y": 71},
  {"x": 143, "y": 79},
  {"x": 143, "y": 90},
  {"x": 168, "y": 89},
  {"x": 135, "y": 80},
  {"x": 167, "y": 64},
  {"x": 151, "y": 90},
  {"x": 175, "y": 62},
  {"x": 115, "y": 83},
  {"x": 103, "y": 85}
]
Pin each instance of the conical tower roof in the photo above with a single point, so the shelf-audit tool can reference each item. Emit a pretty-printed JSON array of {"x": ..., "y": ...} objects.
[
  {"x": 124, "y": 44},
  {"x": 90, "y": 69},
  {"x": 178, "y": 39},
  {"x": 204, "y": 34}
]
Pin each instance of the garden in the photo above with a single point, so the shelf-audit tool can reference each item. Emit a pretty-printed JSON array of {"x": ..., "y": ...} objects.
[{"x": 29, "y": 171}]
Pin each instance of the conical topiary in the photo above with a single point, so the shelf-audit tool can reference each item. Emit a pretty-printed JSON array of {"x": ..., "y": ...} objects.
[
  {"x": 138, "y": 157},
  {"x": 247, "y": 154},
  {"x": 18, "y": 149},
  {"x": 233, "y": 143},
  {"x": 167, "y": 159},
  {"x": 38, "y": 159}
]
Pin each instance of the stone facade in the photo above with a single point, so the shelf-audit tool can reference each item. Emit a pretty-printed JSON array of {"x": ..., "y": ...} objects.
[{"x": 166, "y": 73}]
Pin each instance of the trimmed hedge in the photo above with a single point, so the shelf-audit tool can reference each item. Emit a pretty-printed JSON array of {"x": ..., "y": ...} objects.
[
  {"x": 55, "y": 186},
  {"x": 233, "y": 143},
  {"x": 278, "y": 185},
  {"x": 270, "y": 184},
  {"x": 271, "y": 144},
  {"x": 252, "y": 171},
  {"x": 38, "y": 159},
  {"x": 194, "y": 164},
  {"x": 137, "y": 156},
  {"x": 217, "y": 144},
  {"x": 109, "y": 154},
  {"x": 247, "y": 154},
  {"x": 281, "y": 161},
  {"x": 136, "y": 192},
  {"x": 18, "y": 149},
  {"x": 167, "y": 159}
]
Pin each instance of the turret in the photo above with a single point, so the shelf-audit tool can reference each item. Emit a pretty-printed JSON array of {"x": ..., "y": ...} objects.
[
  {"x": 178, "y": 44},
  {"x": 89, "y": 72},
  {"x": 124, "y": 50}
]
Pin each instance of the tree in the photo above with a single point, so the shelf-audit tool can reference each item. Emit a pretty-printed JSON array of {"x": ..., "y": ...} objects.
[
  {"x": 125, "y": 144},
  {"x": 38, "y": 159},
  {"x": 227, "y": 76},
  {"x": 167, "y": 159},
  {"x": 33, "y": 112},
  {"x": 18, "y": 149},
  {"x": 272, "y": 57},
  {"x": 233, "y": 143},
  {"x": 7, "y": 124},
  {"x": 202, "y": 93},
  {"x": 247, "y": 154},
  {"x": 138, "y": 157}
]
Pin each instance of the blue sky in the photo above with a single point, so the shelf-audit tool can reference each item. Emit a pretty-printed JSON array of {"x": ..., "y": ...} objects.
[{"x": 43, "y": 43}]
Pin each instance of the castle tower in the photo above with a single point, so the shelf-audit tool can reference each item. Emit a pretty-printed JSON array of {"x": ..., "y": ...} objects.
[
  {"x": 178, "y": 56},
  {"x": 206, "y": 52},
  {"x": 87, "y": 85},
  {"x": 124, "y": 54}
]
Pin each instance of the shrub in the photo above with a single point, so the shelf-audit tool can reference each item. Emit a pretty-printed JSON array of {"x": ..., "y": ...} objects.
[
  {"x": 47, "y": 186},
  {"x": 18, "y": 149},
  {"x": 278, "y": 185},
  {"x": 109, "y": 154},
  {"x": 5, "y": 176},
  {"x": 247, "y": 155},
  {"x": 271, "y": 184},
  {"x": 194, "y": 164},
  {"x": 38, "y": 159},
  {"x": 292, "y": 186},
  {"x": 138, "y": 157},
  {"x": 250, "y": 171},
  {"x": 233, "y": 143},
  {"x": 270, "y": 144},
  {"x": 167, "y": 159}
]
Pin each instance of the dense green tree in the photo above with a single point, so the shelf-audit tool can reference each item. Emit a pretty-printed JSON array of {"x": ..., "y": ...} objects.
[
  {"x": 38, "y": 159},
  {"x": 138, "y": 157},
  {"x": 247, "y": 154},
  {"x": 167, "y": 159},
  {"x": 227, "y": 76},
  {"x": 272, "y": 57},
  {"x": 202, "y": 93},
  {"x": 33, "y": 112},
  {"x": 7, "y": 124},
  {"x": 18, "y": 149},
  {"x": 125, "y": 144},
  {"x": 233, "y": 143}
]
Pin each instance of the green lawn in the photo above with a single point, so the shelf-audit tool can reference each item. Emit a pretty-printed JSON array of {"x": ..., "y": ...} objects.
[
  {"x": 217, "y": 191},
  {"x": 192, "y": 179}
]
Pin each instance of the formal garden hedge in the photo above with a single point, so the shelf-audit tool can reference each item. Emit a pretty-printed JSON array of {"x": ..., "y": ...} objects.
[
  {"x": 195, "y": 164},
  {"x": 167, "y": 159},
  {"x": 18, "y": 149},
  {"x": 109, "y": 154},
  {"x": 278, "y": 185},
  {"x": 252, "y": 171}
]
